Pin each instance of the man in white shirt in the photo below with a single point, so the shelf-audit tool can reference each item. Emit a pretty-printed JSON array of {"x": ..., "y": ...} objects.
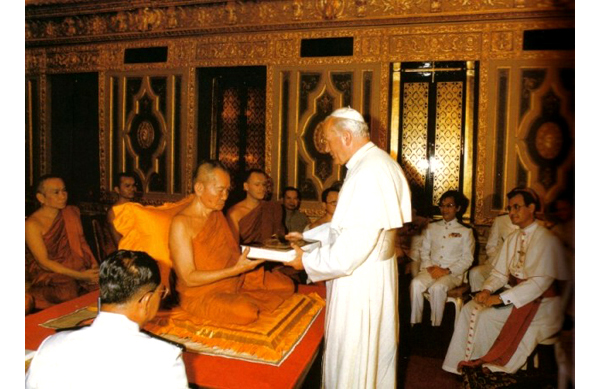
[
  {"x": 357, "y": 259},
  {"x": 113, "y": 352},
  {"x": 498, "y": 331},
  {"x": 446, "y": 254},
  {"x": 501, "y": 228}
]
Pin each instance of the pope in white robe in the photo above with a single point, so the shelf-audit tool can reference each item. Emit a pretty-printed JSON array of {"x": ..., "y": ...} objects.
[{"x": 357, "y": 259}]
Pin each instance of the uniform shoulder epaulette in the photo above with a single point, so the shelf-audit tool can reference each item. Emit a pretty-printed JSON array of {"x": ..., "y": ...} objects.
[{"x": 464, "y": 224}]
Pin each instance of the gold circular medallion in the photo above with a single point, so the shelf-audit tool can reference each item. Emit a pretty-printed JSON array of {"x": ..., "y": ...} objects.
[
  {"x": 145, "y": 134},
  {"x": 548, "y": 140},
  {"x": 319, "y": 139}
]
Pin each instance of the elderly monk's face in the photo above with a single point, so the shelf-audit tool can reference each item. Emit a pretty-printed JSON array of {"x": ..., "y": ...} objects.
[
  {"x": 336, "y": 143},
  {"x": 215, "y": 191},
  {"x": 256, "y": 186},
  {"x": 54, "y": 194}
]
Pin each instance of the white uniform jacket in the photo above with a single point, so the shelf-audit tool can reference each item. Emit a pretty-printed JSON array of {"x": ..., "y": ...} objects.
[{"x": 111, "y": 353}]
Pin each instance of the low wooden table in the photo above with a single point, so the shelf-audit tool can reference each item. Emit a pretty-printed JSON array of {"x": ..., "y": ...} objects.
[{"x": 212, "y": 371}]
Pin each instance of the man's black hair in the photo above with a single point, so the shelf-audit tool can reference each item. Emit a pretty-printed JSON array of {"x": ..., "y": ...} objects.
[
  {"x": 121, "y": 175},
  {"x": 249, "y": 173},
  {"x": 294, "y": 189},
  {"x": 529, "y": 196},
  {"x": 124, "y": 273},
  {"x": 40, "y": 183},
  {"x": 459, "y": 199},
  {"x": 326, "y": 192}
]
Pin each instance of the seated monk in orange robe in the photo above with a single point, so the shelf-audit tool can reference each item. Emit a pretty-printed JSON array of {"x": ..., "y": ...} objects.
[
  {"x": 256, "y": 220},
  {"x": 211, "y": 274},
  {"x": 59, "y": 261}
]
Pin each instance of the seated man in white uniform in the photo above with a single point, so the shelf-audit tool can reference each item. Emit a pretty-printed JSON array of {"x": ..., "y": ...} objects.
[
  {"x": 446, "y": 254},
  {"x": 501, "y": 228},
  {"x": 519, "y": 305},
  {"x": 112, "y": 352}
]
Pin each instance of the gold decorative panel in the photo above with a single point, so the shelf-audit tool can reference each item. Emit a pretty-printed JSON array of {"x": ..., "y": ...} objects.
[
  {"x": 434, "y": 104},
  {"x": 540, "y": 130},
  {"x": 448, "y": 143},
  {"x": 73, "y": 60},
  {"x": 414, "y": 131},
  {"x": 436, "y": 43},
  {"x": 230, "y": 134},
  {"x": 145, "y": 132},
  {"x": 306, "y": 98}
]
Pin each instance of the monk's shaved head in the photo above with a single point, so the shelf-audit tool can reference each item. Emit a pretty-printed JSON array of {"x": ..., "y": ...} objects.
[
  {"x": 206, "y": 171},
  {"x": 40, "y": 187}
]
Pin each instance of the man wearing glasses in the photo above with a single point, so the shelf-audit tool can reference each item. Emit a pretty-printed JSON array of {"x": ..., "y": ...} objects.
[
  {"x": 519, "y": 305},
  {"x": 446, "y": 254},
  {"x": 112, "y": 352},
  {"x": 329, "y": 199}
]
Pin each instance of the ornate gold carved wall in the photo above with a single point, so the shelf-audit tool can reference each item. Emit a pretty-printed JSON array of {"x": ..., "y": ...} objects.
[
  {"x": 414, "y": 130},
  {"x": 145, "y": 126},
  {"x": 533, "y": 130},
  {"x": 71, "y": 21},
  {"x": 447, "y": 137},
  {"x": 70, "y": 36},
  {"x": 307, "y": 95}
]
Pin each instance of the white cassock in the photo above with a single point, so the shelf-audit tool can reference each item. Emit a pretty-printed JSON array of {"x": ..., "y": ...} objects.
[
  {"x": 357, "y": 257},
  {"x": 544, "y": 262}
]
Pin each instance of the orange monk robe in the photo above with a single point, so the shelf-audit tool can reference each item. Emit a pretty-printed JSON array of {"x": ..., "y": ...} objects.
[
  {"x": 259, "y": 225},
  {"x": 66, "y": 245},
  {"x": 230, "y": 300}
]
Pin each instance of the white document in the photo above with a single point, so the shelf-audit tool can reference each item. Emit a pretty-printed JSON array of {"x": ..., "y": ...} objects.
[{"x": 278, "y": 253}]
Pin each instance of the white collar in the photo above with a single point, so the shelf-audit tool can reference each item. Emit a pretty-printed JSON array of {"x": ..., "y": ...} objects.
[
  {"x": 113, "y": 320},
  {"x": 530, "y": 228},
  {"x": 359, "y": 154},
  {"x": 451, "y": 222}
]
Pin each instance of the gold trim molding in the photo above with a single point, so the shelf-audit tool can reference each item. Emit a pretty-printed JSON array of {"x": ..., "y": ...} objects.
[
  {"x": 475, "y": 41},
  {"x": 69, "y": 21}
]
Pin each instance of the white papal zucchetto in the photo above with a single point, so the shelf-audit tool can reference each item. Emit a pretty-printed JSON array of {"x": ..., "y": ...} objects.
[{"x": 347, "y": 113}]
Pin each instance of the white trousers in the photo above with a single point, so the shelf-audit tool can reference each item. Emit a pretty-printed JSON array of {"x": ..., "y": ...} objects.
[
  {"x": 478, "y": 275},
  {"x": 475, "y": 334},
  {"x": 438, "y": 292}
]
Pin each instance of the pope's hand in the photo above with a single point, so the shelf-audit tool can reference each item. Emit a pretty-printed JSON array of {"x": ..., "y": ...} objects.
[
  {"x": 294, "y": 236},
  {"x": 297, "y": 262}
]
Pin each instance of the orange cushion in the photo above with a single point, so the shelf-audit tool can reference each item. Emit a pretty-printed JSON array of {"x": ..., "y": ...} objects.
[{"x": 146, "y": 228}]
